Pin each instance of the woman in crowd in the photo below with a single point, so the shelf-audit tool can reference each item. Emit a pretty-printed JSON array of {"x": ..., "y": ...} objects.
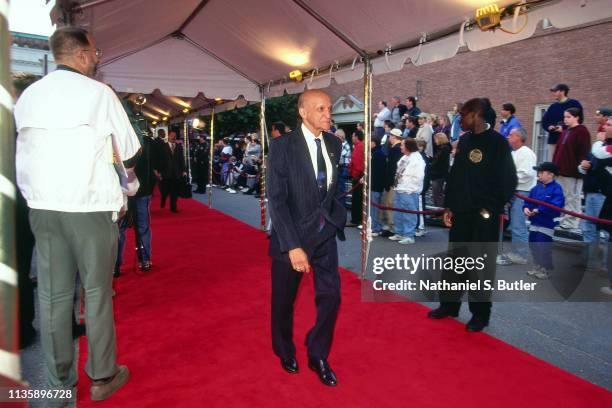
[
  {"x": 444, "y": 125},
  {"x": 572, "y": 148},
  {"x": 408, "y": 186},
  {"x": 253, "y": 149},
  {"x": 439, "y": 167}
]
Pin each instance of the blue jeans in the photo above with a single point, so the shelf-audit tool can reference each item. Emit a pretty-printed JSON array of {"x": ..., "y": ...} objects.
[
  {"x": 592, "y": 206},
  {"x": 375, "y": 198},
  {"x": 142, "y": 227},
  {"x": 541, "y": 249},
  {"x": 518, "y": 227},
  {"x": 405, "y": 224}
]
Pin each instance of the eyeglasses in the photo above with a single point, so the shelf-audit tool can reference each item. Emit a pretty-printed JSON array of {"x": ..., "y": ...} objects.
[{"x": 97, "y": 51}]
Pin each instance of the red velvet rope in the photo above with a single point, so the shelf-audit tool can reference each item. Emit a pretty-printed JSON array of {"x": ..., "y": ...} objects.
[{"x": 564, "y": 211}]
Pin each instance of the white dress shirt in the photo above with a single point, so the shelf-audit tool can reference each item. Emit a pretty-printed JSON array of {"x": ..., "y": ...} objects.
[
  {"x": 69, "y": 128},
  {"x": 312, "y": 149},
  {"x": 524, "y": 161}
]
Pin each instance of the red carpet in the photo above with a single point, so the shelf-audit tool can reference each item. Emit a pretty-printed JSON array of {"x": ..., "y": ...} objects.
[{"x": 195, "y": 333}]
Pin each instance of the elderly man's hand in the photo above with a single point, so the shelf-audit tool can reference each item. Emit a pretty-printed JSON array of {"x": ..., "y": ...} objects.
[{"x": 299, "y": 260}]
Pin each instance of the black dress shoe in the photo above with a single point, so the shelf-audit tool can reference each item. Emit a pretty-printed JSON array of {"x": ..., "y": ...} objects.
[
  {"x": 324, "y": 371},
  {"x": 441, "y": 313},
  {"x": 290, "y": 365},
  {"x": 386, "y": 234},
  {"x": 476, "y": 324},
  {"x": 145, "y": 266}
]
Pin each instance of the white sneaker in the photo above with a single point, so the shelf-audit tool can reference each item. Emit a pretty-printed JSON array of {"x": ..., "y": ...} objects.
[
  {"x": 420, "y": 233},
  {"x": 406, "y": 241},
  {"x": 231, "y": 191},
  {"x": 543, "y": 274},
  {"x": 502, "y": 260},
  {"x": 606, "y": 290},
  {"x": 396, "y": 237},
  {"x": 536, "y": 269},
  {"x": 516, "y": 258}
]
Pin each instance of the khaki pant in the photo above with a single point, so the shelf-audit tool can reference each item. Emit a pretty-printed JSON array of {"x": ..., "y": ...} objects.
[
  {"x": 67, "y": 243},
  {"x": 572, "y": 187},
  {"x": 386, "y": 216}
]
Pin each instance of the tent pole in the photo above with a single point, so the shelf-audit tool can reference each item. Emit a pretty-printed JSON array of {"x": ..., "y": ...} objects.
[
  {"x": 211, "y": 158},
  {"x": 264, "y": 152},
  {"x": 186, "y": 151},
  {"x": 367, "y": 107},
  {"x": 9, "y": 355}
]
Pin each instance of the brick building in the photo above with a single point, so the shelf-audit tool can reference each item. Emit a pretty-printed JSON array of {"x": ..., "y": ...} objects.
[{"x": 521, "y": 73}]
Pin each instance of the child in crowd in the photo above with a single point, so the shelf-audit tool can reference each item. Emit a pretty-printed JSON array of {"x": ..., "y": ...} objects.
[{"x": 543, "y": 219}]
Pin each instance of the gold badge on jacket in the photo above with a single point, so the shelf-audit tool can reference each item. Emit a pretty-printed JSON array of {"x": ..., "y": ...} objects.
[{"x": 475, "y": 156}]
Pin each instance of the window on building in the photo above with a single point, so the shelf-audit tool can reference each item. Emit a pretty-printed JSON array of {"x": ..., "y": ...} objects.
[{"x": 539, "y": 136}]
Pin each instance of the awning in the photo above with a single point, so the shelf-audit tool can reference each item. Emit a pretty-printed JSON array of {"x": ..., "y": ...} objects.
[{"x": 228, "y": 48}]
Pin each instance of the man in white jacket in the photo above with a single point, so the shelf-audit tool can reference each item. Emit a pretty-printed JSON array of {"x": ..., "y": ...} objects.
[
  {"x": 524, "y": 161},
  {"x": 73, "y": 131},
  {"x": 408, "y": 186}
]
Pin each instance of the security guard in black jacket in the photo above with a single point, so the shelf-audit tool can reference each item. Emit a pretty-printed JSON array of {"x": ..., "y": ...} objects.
[{"x": 481, "y": 182}]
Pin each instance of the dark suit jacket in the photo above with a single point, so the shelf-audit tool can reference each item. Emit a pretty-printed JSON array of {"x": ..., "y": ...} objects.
[
  {"x": 293, "y": 195},
  {"x": 172, "y": 165}
]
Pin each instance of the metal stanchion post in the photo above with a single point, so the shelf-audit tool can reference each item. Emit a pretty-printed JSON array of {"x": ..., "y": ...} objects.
[
  {"x": 365, "y": 223},
  {"x": 264, "y": 142},
  {"x": 212, "y": 157},
  {"x": 186, "y": 151}
]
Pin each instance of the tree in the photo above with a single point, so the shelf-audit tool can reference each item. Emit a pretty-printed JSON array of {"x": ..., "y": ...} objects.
[{"x": 245, "y": 120}]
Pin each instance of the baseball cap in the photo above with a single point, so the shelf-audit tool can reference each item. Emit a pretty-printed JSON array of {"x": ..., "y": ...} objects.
[
  {"x": 604, "y": 111},
  {"x": 548, "y": 166},
  {"x": 560, "y": 87}
]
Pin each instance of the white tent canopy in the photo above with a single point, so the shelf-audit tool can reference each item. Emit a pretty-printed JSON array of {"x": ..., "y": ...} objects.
[{"x": 227, "y": 48}]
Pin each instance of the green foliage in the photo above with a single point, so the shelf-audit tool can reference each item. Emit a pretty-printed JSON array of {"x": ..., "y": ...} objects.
[{"x": 246, "y": 120}]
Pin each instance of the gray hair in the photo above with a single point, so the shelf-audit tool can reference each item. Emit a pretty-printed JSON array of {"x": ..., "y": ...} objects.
[{"x": 521, "y": 132}]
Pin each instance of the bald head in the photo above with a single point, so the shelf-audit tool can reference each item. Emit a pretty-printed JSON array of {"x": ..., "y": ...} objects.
[{"x": 315, "y": 107}]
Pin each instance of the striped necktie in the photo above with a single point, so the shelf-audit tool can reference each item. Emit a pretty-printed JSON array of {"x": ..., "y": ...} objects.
[{"x": 321, "y": 171}]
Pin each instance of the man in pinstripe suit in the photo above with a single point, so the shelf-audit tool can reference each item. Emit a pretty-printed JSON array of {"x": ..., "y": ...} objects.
[{"x": 306, "y": 218}]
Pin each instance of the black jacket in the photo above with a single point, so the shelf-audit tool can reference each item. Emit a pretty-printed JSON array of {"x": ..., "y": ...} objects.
[
  {"x": 440, "y": 162},
  {"x": 379, "y": 170},
  {"x": 147, "y": 162},
  {"x": 395, "y": 154},
  {"x": 483, "y": 175},
  {"x": 172, "y": 164},
  {"x": 293, "y": 194}
]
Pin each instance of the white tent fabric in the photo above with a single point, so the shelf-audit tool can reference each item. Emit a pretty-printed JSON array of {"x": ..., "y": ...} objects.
[
  {"x": 188, "y": 66},
  {"x": 228, "y": 48}
]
